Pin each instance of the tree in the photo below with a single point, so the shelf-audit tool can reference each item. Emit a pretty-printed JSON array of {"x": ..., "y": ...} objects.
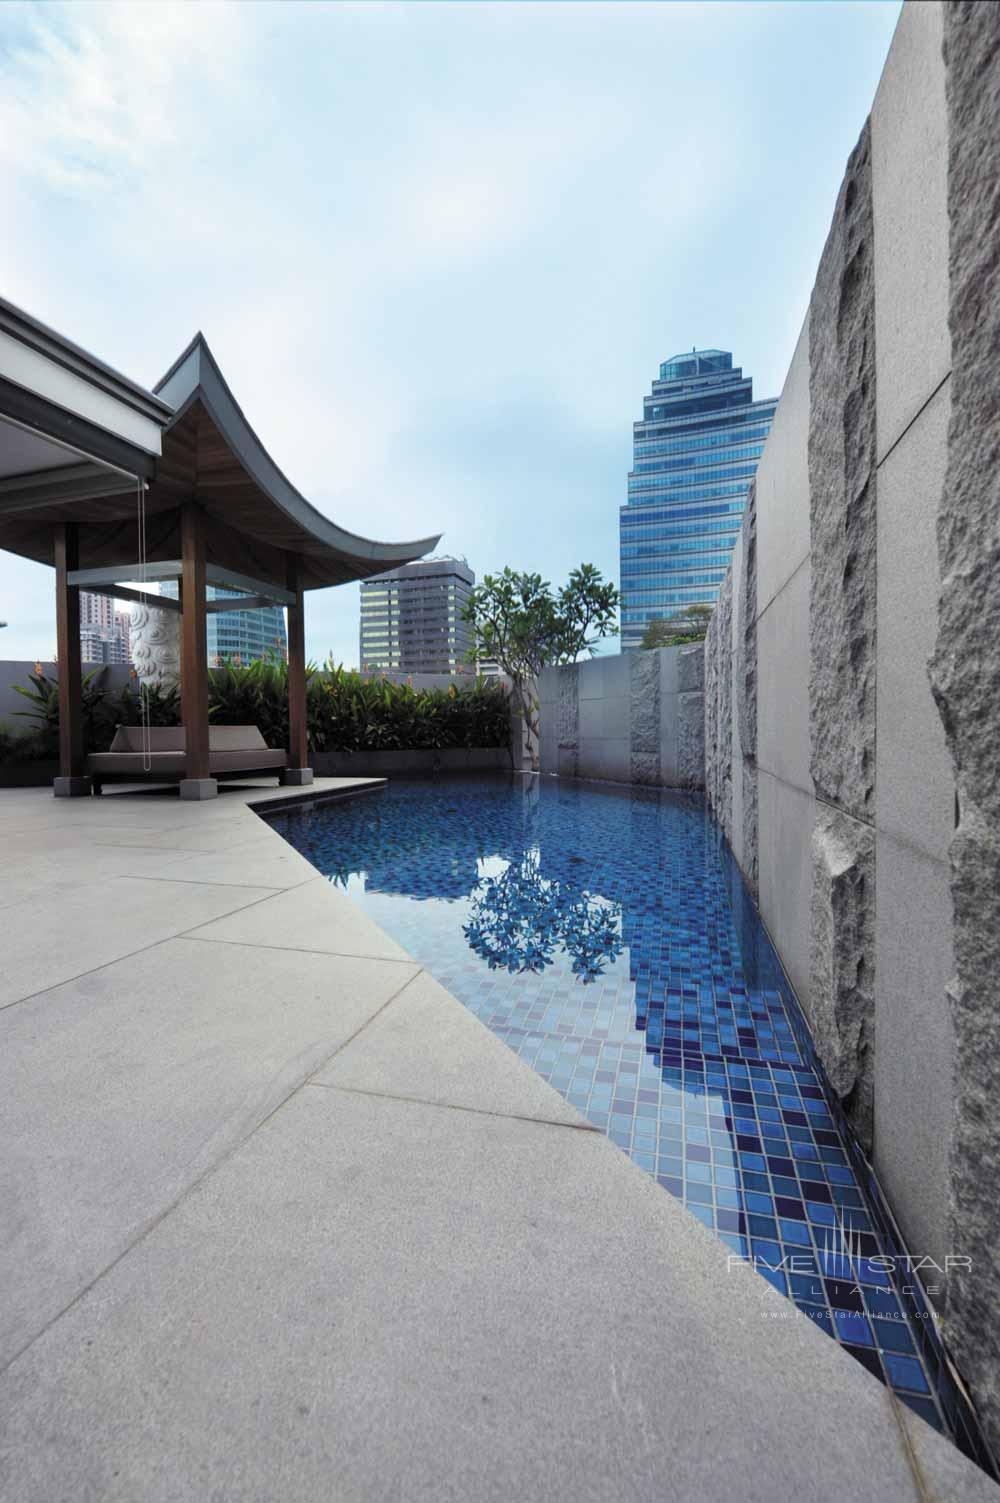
[
  {"x": 689, "y": 625},
  {"x": 519, "y": 623}
]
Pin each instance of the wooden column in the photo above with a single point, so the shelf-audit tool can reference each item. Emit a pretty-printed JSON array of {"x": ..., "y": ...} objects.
[
  {"x": 298, "y": 770},
  {"x": 71, "y": 781},
  {"x": 198, "y": 781}
]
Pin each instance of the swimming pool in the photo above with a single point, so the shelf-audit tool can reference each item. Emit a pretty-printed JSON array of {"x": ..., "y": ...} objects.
[{"x": 605, "y": 934}]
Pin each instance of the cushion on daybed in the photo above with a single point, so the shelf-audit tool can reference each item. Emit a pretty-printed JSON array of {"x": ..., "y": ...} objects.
[
  {"x": 168, "y": 738},
  {"x": 162, "y": 738},
  {"x": 231, "y": 748}
]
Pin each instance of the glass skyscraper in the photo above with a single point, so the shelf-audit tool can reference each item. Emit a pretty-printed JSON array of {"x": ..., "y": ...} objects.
[
  {"x": 247, "y": 635},
  {"x": 695, "y": 451}
]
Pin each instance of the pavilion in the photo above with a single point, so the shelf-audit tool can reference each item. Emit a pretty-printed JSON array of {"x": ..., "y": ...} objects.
[{"x": 108, "y": 483}]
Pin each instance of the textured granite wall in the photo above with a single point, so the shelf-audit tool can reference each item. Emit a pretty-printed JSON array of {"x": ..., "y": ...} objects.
[
  {"x": 966, "y": 680},
  {"x": 686, "y": 712},
  {"x": 567, "y": 718},
  {"x": 842, "y": 500},
  {"x": 731, "y": 700},
  {"x": 637, "y": 718},
  {"x": 714, "y": 659},
  {"x": 719, "y": 769},
  {"x": 745, "y": 647},
  {"x": 865, "y": 719},
  {"x": 835, "y": 660},
  {"x": 842, "y": 494},
  {"x": 842, "y": 1002},
  {"x": 644, "y": 718}
]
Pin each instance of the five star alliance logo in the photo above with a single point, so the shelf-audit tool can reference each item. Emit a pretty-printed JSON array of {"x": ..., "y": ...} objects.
[{"x": 844, "y": 1262}]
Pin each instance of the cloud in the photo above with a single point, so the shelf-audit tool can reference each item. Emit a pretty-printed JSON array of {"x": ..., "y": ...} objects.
[
  {"x": 438, "y": 250},
  {"x": 92, "y": 92}
]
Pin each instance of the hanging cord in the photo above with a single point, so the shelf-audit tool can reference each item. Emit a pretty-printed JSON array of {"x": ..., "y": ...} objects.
[{"x": 144, "y": 714}]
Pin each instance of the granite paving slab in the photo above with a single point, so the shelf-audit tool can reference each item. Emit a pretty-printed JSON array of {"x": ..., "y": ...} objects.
[{"x": 384, "y": 1299}]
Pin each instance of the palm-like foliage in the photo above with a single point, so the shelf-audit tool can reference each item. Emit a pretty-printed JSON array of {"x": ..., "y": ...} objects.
[
  {"x": 345, "y": 712},
  {"x": 102, "y": 712},
  {"x": 254, "y": 694},
  {"x": 349, "y": 713}
]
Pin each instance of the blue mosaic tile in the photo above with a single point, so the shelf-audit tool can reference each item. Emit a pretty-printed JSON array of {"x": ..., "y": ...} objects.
[{"x": 605, "y": 934}]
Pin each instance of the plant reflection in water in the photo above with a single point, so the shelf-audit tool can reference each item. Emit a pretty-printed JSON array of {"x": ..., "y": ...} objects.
[{"x": 519, "y": 919}]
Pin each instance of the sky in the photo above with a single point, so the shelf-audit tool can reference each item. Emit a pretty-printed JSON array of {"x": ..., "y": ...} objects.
[{"x": 439, "y": 250}]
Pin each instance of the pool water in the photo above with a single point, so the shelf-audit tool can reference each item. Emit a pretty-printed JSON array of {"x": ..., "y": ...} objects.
[{"x": 605, "y": 934}]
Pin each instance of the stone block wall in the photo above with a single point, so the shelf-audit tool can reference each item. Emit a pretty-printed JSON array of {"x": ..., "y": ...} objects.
[
  {"x": 636, "y": 718},
  {"x": 853, "y": 662},
  {"x": 966, "y": 673}
]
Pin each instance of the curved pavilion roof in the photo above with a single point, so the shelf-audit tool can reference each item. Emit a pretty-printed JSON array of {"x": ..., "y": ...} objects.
[{"x": 210, "y": 454}]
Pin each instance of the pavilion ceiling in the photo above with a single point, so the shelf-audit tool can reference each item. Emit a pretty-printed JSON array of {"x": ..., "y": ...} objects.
[{"x": 254, "y": 517}]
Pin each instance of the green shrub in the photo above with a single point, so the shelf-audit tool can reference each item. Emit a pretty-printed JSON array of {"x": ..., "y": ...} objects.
[
  {"x": 345, "y": 713},
  {"x": 102, "y": 712},
  {"x": 163, "y": 707},
  {"x": 43, "y": 698},
  {"x": 16, "y": 750},
  {"x": 253, "y": 695}
]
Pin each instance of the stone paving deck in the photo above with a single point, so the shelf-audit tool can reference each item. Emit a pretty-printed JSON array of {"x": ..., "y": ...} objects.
[{"x": 280, "y": 1220}]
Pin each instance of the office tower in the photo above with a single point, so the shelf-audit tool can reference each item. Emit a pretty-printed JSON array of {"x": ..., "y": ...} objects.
[
  {"x": 411, "y": 618},
  {"x": 243, "y": 635},
  {"x": 104, "y": 630},
  {"x": 696, "y": 448},
  {"x": 247, "y": 635}
]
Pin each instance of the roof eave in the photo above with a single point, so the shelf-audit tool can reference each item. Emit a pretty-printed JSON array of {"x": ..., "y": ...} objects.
[
  {"x": 196, "y": 372},
  {"x": 30, "y": 331}
]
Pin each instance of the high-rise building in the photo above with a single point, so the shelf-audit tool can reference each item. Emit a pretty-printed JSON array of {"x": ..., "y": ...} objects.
[
  {"x": 696, "y": 448},
  {"x": 104, "y": 631},
  {"x": 246, "y": 635},
  {"x": 411, "y": 618}
]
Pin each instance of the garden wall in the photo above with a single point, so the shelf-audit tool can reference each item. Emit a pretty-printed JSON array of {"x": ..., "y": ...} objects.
[
  {"x": 865, "y": 587},
  {"x": 422, "y": 726},
  {"x": 635, "y": 718}
]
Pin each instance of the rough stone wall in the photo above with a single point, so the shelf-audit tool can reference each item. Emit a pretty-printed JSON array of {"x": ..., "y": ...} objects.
[
  {"x": 637, "y": 718},
  {"x": 725, "y": 771},
  {"x": 719, "y": 707},
  {"x": 730, "y": 696},
  {"x": 691, "y": 717},
  {"x": 829, "y": 837},
  {"x": 568, "y": 720},
  {"x": 842, "y": 461},
  {"x": 712, "y": 670},
  {"x": 842, "y": 500},
  {"x": 965, "y": 676},
  {"x": 843, "y": 945},
  {"x": 746, "y": 684},
  {"x": 644, "y": 718}
]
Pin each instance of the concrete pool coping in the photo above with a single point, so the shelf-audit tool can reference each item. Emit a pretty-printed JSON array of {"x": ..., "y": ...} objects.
[{"x": 282, "y": 1219}]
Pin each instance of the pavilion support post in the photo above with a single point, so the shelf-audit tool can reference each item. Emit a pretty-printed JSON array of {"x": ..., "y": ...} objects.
[
  {"x": 71, "y": 782},
  {"x": 198, "y": 782},
  {"x": 298, "y": 772}
]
